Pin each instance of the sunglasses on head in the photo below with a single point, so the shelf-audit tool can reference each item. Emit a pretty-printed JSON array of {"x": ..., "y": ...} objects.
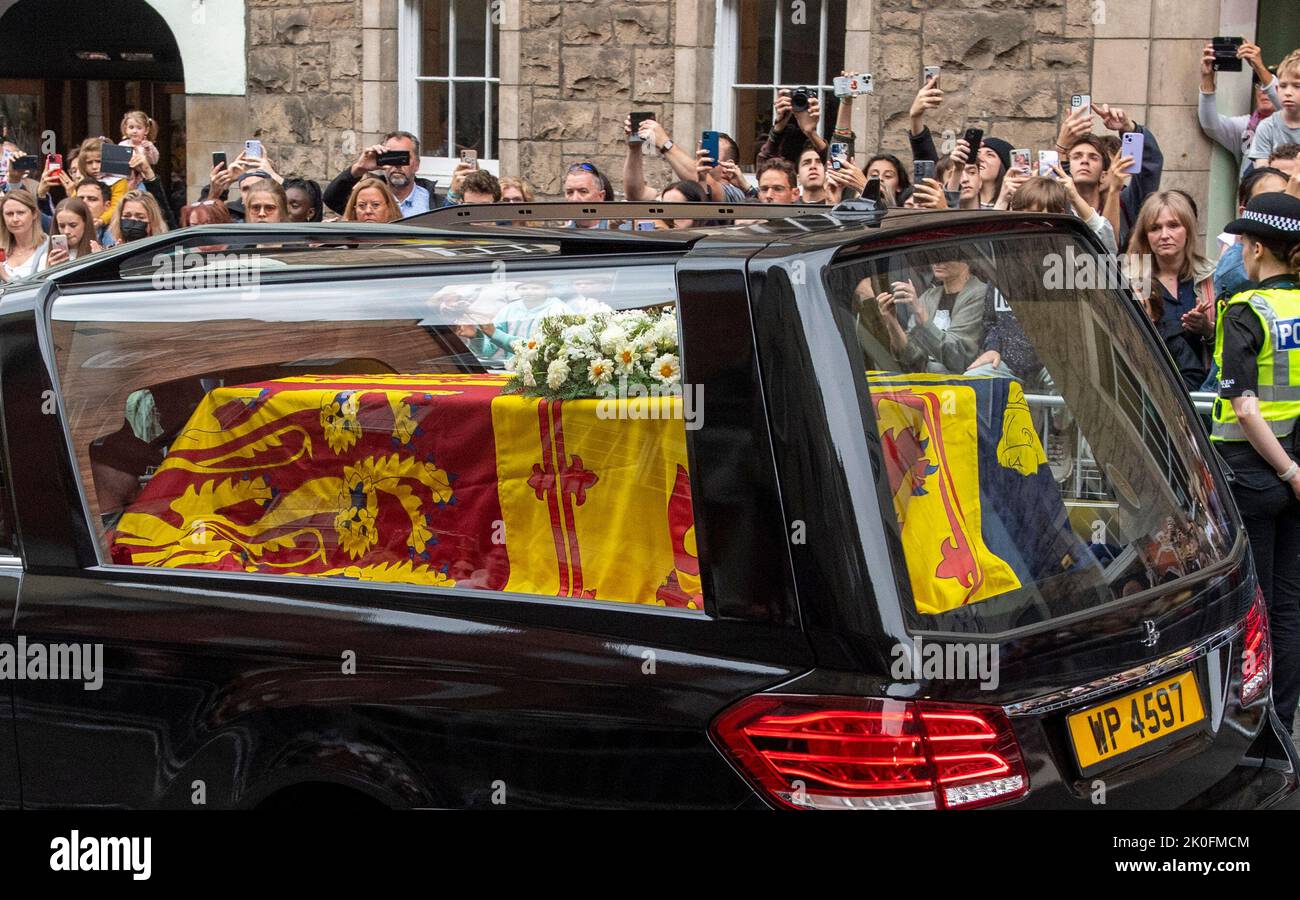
[{"x": 583, "y": 167}]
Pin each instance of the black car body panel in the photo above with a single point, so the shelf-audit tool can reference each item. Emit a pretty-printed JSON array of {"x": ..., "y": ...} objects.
[{"x": 234, "y": 689}]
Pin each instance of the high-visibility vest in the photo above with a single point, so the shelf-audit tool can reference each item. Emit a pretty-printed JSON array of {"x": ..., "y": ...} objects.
[{"x": 1278, "y": 310}]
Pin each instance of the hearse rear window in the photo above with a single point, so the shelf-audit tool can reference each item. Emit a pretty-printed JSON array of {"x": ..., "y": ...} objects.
[
  {"x": 1034, "y": 458},
  {"x": 509, "y": 431}
]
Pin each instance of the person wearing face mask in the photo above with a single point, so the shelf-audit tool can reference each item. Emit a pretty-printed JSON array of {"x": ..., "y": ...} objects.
[
  {"x": 138, "y": 216},
  {"x": 413, "y": 195}
]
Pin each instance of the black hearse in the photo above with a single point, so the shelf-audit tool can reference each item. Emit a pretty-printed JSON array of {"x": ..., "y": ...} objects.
[{"x": 284, "y": 524}]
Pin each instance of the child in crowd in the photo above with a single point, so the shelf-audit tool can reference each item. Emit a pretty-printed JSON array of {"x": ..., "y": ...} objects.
[{"x": 138, "y": 130}]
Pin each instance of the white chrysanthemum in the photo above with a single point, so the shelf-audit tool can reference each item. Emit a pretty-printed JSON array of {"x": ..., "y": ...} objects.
[
  {"x": 600, "y": 371},
  {"x": 577, "y": 334},
  {"x": 512, "y": 364},
  {"x": 665, "y": 332},
  {"x": 625, "y": 359},
  {"x": 527, "y": 377},
  {"x": 557, "y": 373},
  {"x": 611, "y": 338},
  {"x": 666, "y": 369}
]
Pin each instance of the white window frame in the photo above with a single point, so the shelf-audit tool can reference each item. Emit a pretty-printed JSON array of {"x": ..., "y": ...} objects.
[
  {"x": 726, "y": 51},
  {"x": 409, "y": 32}
]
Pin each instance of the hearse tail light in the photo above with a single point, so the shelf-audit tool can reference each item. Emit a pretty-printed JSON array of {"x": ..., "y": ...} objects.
[
  {"x": 809, "y": 752},
  {"x": 1256, "y": 653}
]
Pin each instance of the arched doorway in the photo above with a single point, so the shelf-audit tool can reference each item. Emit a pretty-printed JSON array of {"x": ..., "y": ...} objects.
[{"x": 74, "y": 67}]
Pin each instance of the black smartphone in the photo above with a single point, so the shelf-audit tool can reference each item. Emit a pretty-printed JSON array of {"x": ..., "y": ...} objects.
[
  {"x": 395, "y": 158},
  {"x": 1225, "y": 54},
  {"x": 27, "y": 163},
  {"x": 219, "y": 159},
  {"x": 921, "y": 170},
  {"x": 872, "y": 190},
  {"x": 637, "y": 118},
  {"x": 973, "y": 136}
]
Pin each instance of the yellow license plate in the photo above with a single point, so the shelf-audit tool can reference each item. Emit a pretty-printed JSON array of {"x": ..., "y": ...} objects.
[{"x": 1106, "y": 732}]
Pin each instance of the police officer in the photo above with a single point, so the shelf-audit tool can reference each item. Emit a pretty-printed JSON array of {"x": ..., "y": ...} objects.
[{"x": 1257, "y": 348}]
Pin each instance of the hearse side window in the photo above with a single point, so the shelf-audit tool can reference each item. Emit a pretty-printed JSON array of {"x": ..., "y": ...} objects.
[
  {"x": 512, "y": 431},
  {"x": 1035, "y": 458}
]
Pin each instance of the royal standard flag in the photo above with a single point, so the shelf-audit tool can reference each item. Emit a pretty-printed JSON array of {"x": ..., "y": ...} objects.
[
  {"x": 978, "y": 511},
  {"x": 423, "y": 479}
]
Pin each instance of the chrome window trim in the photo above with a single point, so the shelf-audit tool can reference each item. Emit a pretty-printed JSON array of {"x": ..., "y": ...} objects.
[
  {"x": 11, "y": 562},
  {"x": 1094, "y": 690}
]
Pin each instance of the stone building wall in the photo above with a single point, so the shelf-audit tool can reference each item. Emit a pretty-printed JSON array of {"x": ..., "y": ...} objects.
[
  {"x": 1008, "y": 68},
  {"x": 582, "y": 66}
]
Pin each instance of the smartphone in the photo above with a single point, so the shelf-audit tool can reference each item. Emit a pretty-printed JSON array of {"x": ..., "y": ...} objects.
[
  {"x": 54, "y": 162},
  {"x": 403, "y": 157},
  {"x": 929, "y": 73},
  {"x": 872, "y": 190},
  {"x": 645, "y": 225},
  {"x": 839, "y": 152},
  {"x": 921, "y": 170},
  {"x": 1081, "y": 101},
  {"x": 637, "y": 118},
  {"x": 866, "y": 84},
  {"x": 59, "y": 241},
  {"x": 1225, "y": 54},
  {"x": 254, "y": 148},
  {"x": 26, "y": 164},
  {"x": 219, "y": 159},
  {"x": 1020, "y": 161},
  {"x": 843, "y": 86},
  {"x": 974, "y": 137},
  {"x": 468, "y": 157},
  {"x": 1046, "y": 160},
  {"x": 709, "y": 143},
  {"x": 1132, "y": 144}
]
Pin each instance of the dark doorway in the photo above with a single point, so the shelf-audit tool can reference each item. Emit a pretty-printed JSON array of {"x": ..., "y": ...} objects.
[{"x": 74, "y": 67}]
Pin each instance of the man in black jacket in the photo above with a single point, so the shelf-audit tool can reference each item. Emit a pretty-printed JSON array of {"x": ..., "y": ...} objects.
[{"x": 414, "y": 195}]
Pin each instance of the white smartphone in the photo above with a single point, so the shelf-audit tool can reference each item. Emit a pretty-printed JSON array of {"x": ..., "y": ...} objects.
[
  {"x": 1020, "y": 161},
  {"x": 928, "y": 73},
  {"x": 254, "y": 149},
  {"x": 1081, "y": 101},
  {"x": 59, "y": 241},
  {"x": 1046, "y": 160}
]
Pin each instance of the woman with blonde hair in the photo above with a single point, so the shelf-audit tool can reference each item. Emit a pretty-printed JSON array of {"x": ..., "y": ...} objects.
[
  {"x": 515, "y": 190},
  {"x": 25, "y": 246},
  {"x": 138, "y": 216},
  {"x": 1179, "y": 297},
  {"x": 265, "y": 201},
  {"x": 371, "y": 200}
]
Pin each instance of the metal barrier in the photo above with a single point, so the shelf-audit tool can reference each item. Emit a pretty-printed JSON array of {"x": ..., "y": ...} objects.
[{"x": 1202, "y": 401}]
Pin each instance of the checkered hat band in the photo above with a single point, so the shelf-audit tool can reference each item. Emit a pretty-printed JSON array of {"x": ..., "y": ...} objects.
[{"x": 1284, "y": 223}]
